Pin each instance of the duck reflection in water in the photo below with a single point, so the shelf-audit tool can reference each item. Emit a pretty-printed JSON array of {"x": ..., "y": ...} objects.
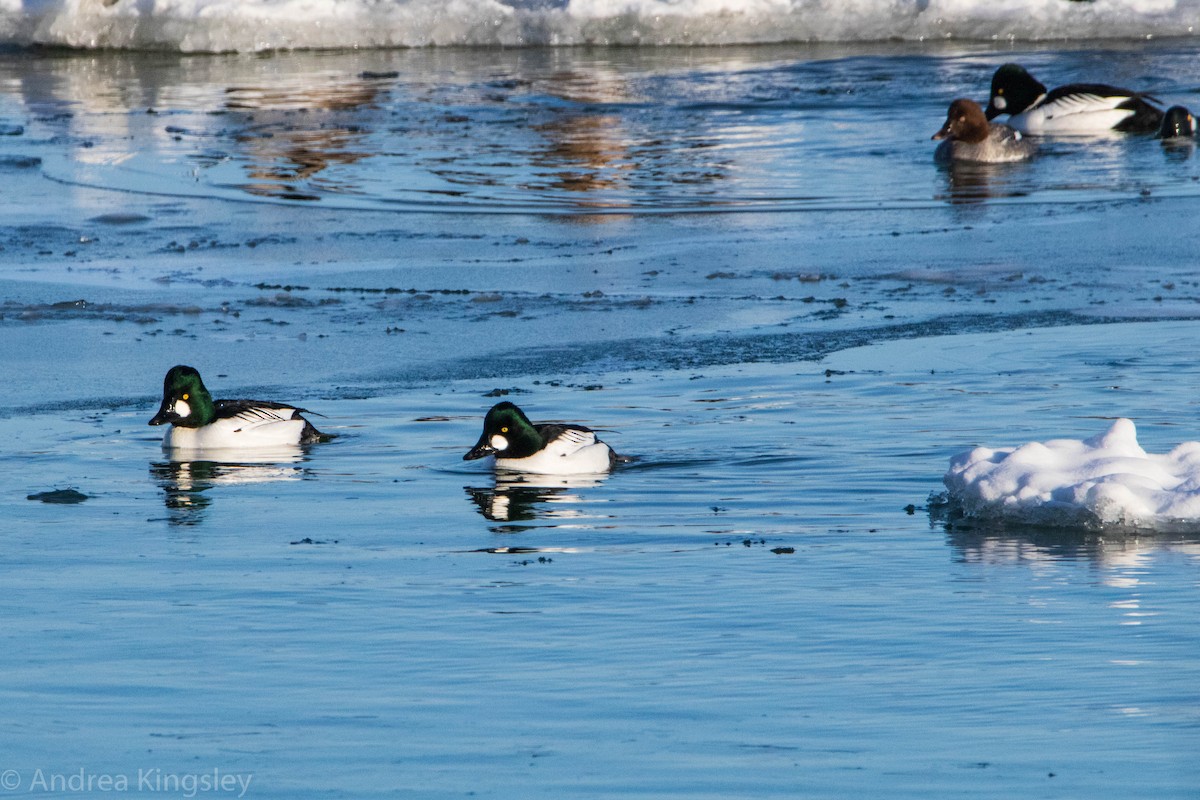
[
  {"x": 968, "y": 183},
  {"x": 186, "y": 483},
  {"x": 523, "y": 497}
]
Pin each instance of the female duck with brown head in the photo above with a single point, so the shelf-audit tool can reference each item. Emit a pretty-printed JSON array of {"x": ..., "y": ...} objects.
[{"x": 968, "y": 136}]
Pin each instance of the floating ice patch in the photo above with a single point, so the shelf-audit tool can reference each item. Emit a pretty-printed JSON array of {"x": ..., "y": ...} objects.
[{"x": 1105, "y": 481}]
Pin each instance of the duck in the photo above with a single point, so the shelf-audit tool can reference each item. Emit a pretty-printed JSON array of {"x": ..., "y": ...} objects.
[
  {"x": 1178, "y": 123},
  {"x": 200, "y": 423},
  {"x": 547, "y": 448},
  {"x": 1076, "y": 108},
  {"x": 968, "y": 136}
]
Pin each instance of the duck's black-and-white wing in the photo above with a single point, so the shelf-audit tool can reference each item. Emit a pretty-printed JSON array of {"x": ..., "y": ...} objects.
[
  {"x": 1129, "y": 112},
  {"x": 564, "y": 440},
  {"x": 251, "y": 414}
]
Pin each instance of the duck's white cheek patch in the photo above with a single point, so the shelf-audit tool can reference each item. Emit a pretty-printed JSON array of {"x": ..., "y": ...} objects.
[
  {"x": 999, "y": 102},
  {"x": 498, "y": 442},
  {"x": 182, "y": 408}
]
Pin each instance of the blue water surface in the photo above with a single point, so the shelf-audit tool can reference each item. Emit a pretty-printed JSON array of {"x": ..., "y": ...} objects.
[{"x": 743, "y": 267}]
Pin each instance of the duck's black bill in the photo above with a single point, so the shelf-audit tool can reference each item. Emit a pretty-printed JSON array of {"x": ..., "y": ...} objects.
[
  {"x": 481, "y": 449},
  {"x": 164, "y": 415}
]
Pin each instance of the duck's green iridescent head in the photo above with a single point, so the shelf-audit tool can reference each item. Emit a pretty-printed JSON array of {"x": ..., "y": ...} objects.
[
  {"x": 185, "y": 400},
  {"x": 507, "y": 432}
]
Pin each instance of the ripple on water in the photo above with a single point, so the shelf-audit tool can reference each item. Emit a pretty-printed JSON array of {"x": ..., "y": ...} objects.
[{"x": 595, "y": 139}]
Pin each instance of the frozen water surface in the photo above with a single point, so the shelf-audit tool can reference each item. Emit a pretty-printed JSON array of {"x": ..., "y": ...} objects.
[{"x": 743, "y": 266}]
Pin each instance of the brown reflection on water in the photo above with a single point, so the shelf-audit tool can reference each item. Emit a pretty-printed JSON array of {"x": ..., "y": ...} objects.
[
  {"x": 585, "y": 151},
  {"x": 287, "y": 150},
  {"x": 565, "y": 138}
]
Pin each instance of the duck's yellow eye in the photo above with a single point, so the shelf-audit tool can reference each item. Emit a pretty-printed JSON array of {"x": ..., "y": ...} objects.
[
  {"x": 185, "y": 396},
  {"x": 504, "y": 429}
]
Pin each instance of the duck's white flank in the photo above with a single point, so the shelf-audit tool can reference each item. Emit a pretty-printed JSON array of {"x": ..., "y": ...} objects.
[
  {"x": 1073, "y": 114},
  {"x": 574, "y": 452},
  {"x": 258, "y": 427}
]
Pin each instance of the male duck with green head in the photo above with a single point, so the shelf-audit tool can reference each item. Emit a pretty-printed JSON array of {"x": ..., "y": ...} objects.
[
  {"x": 544, "y": 448},
  {"x": 200, "y": 423}
]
